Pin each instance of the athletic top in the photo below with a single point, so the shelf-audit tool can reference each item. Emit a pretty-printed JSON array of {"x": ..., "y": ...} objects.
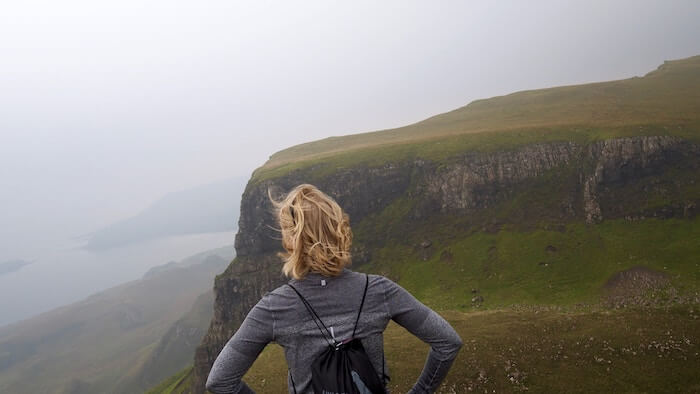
[{"x": 281, "y": 317}]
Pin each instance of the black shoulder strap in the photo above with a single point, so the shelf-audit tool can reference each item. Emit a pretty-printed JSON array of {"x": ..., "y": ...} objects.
[
  {"x": 319, "y": 322},
  {"x": 361, "y": 305}
]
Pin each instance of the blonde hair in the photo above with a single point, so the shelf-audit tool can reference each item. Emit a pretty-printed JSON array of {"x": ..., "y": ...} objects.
[{"x": 315, "y": 232}]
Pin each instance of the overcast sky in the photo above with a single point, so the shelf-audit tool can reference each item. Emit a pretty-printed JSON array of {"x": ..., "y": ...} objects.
[{"x": 107, "y": 105}]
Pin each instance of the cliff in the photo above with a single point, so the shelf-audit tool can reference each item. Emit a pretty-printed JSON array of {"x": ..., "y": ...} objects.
[
  {"x": 447, "y": 200},
  {"x": 593, "y": 180}
]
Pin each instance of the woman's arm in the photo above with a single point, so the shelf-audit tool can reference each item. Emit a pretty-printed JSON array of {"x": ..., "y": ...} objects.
[
  {"x": 241, "y": 350},
  {"x": 431, "y": 328}
]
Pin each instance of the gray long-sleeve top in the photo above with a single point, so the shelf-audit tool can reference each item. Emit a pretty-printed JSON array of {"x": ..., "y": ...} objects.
[{"x": 281, "y": 317}]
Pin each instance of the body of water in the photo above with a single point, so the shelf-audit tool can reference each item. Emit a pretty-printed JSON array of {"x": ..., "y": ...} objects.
[{"x": 63, "y": 273}]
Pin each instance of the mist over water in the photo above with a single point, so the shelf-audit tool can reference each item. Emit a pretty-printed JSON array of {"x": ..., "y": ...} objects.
[{"x": 63, "y": 273}]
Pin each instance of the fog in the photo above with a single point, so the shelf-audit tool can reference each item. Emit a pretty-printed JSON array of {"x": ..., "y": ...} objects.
[{"x": 107, "y": 106}]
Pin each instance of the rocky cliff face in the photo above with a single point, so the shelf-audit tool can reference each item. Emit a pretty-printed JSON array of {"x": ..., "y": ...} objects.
[{"x": 618, "y": 178}]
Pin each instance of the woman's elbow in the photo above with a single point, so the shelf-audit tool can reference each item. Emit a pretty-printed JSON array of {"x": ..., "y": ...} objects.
[
  {"x": 454, "y": 343},
  {"x": 212, "y": 385},
  {"x": 457, "y": 343},
  {"x": 231, "y": 386},
  {"x": 217, "y": 386},
  {"x": 449, "y": 347}
]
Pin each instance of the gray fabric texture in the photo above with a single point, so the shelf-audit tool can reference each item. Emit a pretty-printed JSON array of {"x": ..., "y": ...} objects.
[{"x": 281, "y": 317}]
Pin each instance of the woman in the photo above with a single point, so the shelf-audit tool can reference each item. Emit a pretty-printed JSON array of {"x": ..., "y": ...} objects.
[{"x": 317, "y": 237}]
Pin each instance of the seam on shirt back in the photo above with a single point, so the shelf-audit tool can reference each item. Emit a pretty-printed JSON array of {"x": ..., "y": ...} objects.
[
  {"x": 386, "y": 304},
  {"x": 272, "y": 312},
  {"x": 435, "y": 371}
]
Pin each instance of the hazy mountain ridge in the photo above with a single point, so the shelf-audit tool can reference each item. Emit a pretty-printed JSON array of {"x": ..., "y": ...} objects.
[
  {"x": 543, "y": 208},
  {"x": 111, "y": 339},
  {"x": 224, "y": 251},
  {"x": 202, "y": 209}
]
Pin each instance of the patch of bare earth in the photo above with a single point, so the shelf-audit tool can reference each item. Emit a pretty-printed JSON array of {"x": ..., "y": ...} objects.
[{"x": 637, "y": 286}]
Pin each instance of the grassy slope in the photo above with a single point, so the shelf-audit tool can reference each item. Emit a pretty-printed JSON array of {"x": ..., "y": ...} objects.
[
  {"x": 665, "y": 101},
  {"x": 506, "y": 267}
]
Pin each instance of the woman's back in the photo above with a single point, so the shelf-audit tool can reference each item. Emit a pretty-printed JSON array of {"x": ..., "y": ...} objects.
[
  {"x": 281, "y": 317},
  {"x": 336, "y": 300},
  {"x": 316, "y": 237}
]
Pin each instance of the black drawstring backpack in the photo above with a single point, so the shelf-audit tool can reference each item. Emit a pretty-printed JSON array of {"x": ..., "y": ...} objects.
[{"x": 344, "y": 367}]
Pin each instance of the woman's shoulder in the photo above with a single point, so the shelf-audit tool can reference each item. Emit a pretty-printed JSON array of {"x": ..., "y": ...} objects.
[
  {"x": 283, "y": 289},
  {"x": 357, "y": 276},
  {"x": 379, "y": 283}
]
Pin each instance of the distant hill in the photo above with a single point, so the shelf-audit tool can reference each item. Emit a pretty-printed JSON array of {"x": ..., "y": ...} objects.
[
  {"x": 120, "y": 340},
  {"x": 195, "y": 259},
  {"x": 208, "y": 208},
  {"x": 176, "y": 347}
]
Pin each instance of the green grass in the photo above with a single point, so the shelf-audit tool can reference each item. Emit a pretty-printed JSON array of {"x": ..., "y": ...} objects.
[
  {"x": 514, "y": 267},
  {"x": 442, "y": 148},
  {"x": 541, "y": 350}
]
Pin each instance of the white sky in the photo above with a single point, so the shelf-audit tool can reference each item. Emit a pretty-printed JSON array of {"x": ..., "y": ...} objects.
[{"x": 107, "y": 105}]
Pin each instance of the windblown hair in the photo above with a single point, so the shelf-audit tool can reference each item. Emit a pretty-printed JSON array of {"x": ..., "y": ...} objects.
[{"x": 315, "y": 232}]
